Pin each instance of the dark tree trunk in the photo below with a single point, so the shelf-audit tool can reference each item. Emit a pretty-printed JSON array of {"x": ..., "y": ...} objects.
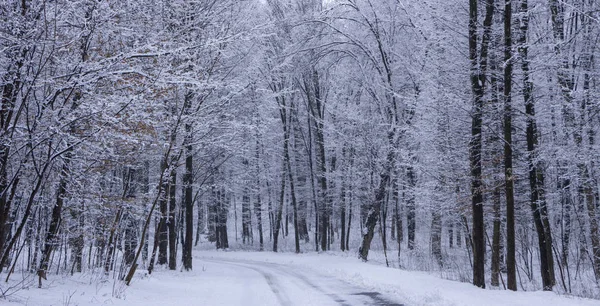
[
  {"x": 211, "y": 222},
  {"x": 12, "y": 85},
  {"x": 286, "y": 156},
  {"x": 478, "y": 76},
  {"x": 458, "y": 235},
  {"x": 566, "y": 206},
  {"x": 162, "y": 231},
  {"x": 77, "y": 242},
  {"x": 279, "y": 212},
  {"x": 436, "y": 236},
  {"x": 382, "y": 225},
  {"x": 590, "y": 185},
  {"x": 258, "y": 212},
  {"x": 172, "y": 221},
  {"x": 51, "y": 236},
  {"x": 271, "y": 211},
  {"x": 27, "y": 213},
  {"x": 411, "y": 223},
  {"x": 258, "y": 203},
  {"x": 349, "y": 219},
  {"x": 112, "y": 241},
  {"x": 451, "y": 235},
  {"x": 130, "y": 230},
  {"x": 130, "y": 239},
  {"x": 536, "y": 175},
  {"x": 222, "y": 241},
  {"x": 343, "y": 217},
  {"x": 145, "y": 181},
  {"x": 188, "y": 179},
  {"x": 594, "y": 227},
  {"x": 317, "y": 112},
  {"x": 323, "y": 192},
  {"x": 397, "y": 212},
  {"x": 6, "y": 201},
  {"x": 313, "y": 187},
  {"x": 508, "y": 156},
  {"x": 301, "y": 177},
  {"x": 373, "y": 216},
  {"x": 246, "y": 215},
  {"x": 375, "y": 209},
  {"x": 496, "y": 244},
  {"x": 159, "y": 196}
]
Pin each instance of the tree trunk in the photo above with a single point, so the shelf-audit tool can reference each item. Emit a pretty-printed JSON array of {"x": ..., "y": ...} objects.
[
  {"x": 77, "y": 242},
  {"x": 130, "y": 239},
  {"x": 397, "y": 211},
  {"x": 279, "y": 212},
  {"x": 145, "y": 191},
  {"x": 375, "y": 209},
  {"x": 451, "y": 235},
  {"x": 436, "y": 236},
  {"x": 373, "y": 216},
  {"x": 508, "y": 157},
  {"x": 172, "y": 221},
  {"x": 594, "y": 228},
  {"x": 317, "y": 112},
  {"x": 188, "y": 180},
  {"x": 162, "y": 231},
  {"x": 478, "y": 73},
  {"x": 246, "y": 215},
  {"x": 536, "y": 175},
  {"x": 286, "y": 156},
  {"x": 301, "y": 177},
  {"x": 349, "y": 219},
  {"x": 51, "y": 236},
  {"x": 411, "y": 223},
  {"x": 222, "y": 241},
  {"x": 258, "y": 203},
  {"x": 343, "y": 217},
  {"x": 496, "y": 244}
]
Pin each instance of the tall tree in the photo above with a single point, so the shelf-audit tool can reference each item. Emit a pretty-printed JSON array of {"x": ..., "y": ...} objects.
[
  {"x": 188, "y": 189},
  {"x": 478, "y": 79},
  {"x": 508, "y": 151},
  {"x": 536, "y": 172}
]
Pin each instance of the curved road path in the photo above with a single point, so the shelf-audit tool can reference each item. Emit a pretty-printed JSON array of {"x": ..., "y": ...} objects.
[{"x": 290, "y": 285}]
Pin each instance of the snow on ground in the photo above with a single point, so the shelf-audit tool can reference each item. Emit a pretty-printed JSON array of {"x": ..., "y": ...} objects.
[
  {"x": 409, "y": 287},
  {"x": 265, "y": 278},
  {"x": 226, "y": 285}
]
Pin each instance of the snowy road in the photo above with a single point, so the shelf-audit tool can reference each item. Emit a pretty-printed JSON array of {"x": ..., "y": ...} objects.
[
  {"x": 290, "y": 286},
  {"x": 272, "y": 279}
]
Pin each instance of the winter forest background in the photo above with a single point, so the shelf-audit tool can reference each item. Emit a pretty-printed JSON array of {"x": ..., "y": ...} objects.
[{"x": 450, "y": 136}]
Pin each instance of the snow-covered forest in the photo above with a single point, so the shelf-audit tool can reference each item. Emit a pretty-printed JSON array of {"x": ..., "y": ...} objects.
[{"x": 455, "y": 138}]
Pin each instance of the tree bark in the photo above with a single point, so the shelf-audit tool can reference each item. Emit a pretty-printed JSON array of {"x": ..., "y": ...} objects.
[
  {"x": 172, "y": 221},
  {"x": 478, "y": 74},
  {"x": 51, "y": 236},
  {"x": 286, "y": 156},
  {"x": 258, "y": 203},
  {"x": 508, "y": 155},
  {"x": 375, "y": 209},
  {"x": 536, "y": 175},
  {"x": 496, "y": 244},
  {"x": 188, "y": 180},
  {"x": 163, "y": 231},
  {"x": 411, "y": 222},
  {"x": 279, "y": 212},
  {"x": 436, "y": 236}
]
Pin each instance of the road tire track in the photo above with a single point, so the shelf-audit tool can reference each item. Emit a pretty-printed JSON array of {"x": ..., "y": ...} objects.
[
  {"x": 266, "y": 269},
  {"x": 275, "y": 286}
]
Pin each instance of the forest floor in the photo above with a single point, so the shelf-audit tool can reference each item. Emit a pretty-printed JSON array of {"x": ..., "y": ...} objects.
[{"x": 266, "y": 278}]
